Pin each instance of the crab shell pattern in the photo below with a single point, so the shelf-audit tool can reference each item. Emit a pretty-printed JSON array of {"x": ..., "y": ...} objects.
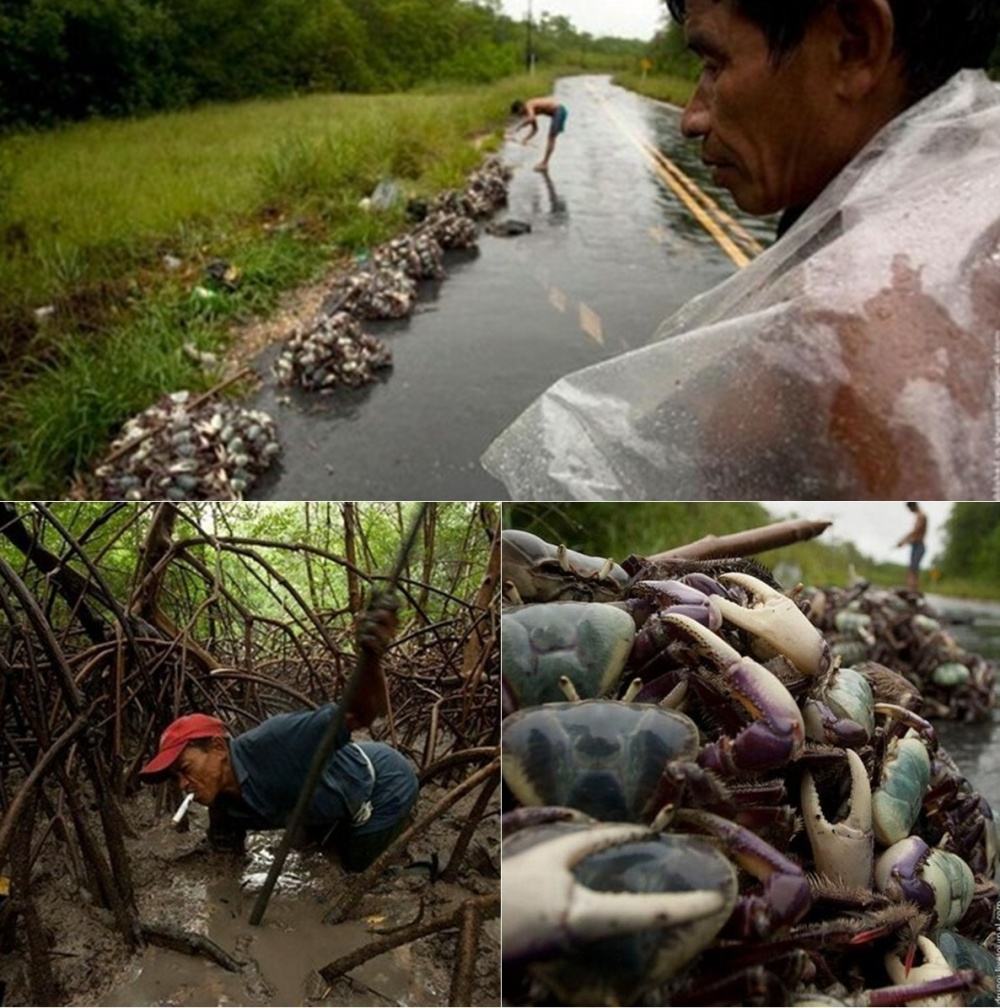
[{"x": 602, "y": 757}]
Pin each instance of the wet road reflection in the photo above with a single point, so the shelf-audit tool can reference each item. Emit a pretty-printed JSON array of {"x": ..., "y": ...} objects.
[
  {"x": 611, "y": 254},
  {"x": 975, "y": 747}
]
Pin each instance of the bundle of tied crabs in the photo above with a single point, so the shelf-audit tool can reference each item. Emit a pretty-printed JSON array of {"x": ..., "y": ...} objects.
[{"x": 706, "y": 807}]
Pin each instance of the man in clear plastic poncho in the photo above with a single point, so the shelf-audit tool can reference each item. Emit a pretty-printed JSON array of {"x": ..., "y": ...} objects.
[{"x": 859, "y": 356}]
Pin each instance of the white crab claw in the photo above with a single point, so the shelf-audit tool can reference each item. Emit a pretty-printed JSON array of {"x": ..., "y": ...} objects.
[
  {"x": 933, "y": 967},
  {"x": 776, "y": 621},
  {"x": 844, "y": 851},
  {"x": 761, "y": 693},
  {"x": 546, "y": 909}
]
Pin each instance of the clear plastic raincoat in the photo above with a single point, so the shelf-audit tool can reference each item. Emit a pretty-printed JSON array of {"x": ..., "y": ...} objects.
[{"x": 858, "y": 357}]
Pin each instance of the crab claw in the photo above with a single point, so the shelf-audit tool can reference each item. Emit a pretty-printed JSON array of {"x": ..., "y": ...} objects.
[
  {"x": 843, "y": 851},
  {"x": 547, "y": 911},
  {"x": 775, "y": 735},
  {"x": 776, "y": 622},
  {"x": 935, "y": 967},
  {"x": 786, "y": 897},
  {"x": 932, "y": 878}
]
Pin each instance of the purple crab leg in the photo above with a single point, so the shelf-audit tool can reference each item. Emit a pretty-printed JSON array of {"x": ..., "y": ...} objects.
[
  {"x": 787, "y": 897},
  {"x": 961, "y": 980}
]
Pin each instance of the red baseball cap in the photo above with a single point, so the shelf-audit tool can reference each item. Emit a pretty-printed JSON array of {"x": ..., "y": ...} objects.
[{"x": 176, "y": 736}]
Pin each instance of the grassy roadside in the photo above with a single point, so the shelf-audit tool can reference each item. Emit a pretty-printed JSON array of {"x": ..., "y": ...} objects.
[
  {"x": 90, "y": 214},
  {"x": 662, "y": 87}
]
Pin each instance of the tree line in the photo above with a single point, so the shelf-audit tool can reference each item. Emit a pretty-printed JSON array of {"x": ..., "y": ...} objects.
[
  {"x": 972, "y": 543},
  {"x": 669, "y": 54},
  {"x": 71, "y": 59}
]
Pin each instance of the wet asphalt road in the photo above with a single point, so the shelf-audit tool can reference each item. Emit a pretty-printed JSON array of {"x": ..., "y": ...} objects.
[
  {"x": 612, "y": 253},
  {"x": 974, "y": 747}
]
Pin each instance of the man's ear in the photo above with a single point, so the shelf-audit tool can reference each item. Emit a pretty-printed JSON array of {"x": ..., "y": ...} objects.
[
  {"x": 866, "y": 31},
  {"x": 219, "y": 744}
]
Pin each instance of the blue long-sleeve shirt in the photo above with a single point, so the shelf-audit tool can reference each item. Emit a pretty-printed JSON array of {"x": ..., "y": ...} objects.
[{"x": 272, "y": 760}]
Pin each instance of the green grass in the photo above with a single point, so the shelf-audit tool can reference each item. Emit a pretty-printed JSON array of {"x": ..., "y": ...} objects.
[
  {"x": 87, "y": 214},
  {"x": 662, "y": 87}
]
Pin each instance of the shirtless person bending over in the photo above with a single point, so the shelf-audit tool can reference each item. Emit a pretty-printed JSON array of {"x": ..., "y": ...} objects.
[{"x": 530, "y": 111}]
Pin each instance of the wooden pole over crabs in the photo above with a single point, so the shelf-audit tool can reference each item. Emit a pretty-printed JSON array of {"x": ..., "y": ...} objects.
[
  {"x": 748, "y": 543},
  {"x": 360, "y": 702}
]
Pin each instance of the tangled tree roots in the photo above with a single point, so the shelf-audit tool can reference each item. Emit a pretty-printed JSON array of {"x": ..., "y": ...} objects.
[{"x": 109, "y": 632}]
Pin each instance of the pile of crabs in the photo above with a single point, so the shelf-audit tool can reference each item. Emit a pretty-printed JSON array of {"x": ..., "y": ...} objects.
[
  {"x": 705, "y": 806},
  {"x": 901, "y": 631},
  {"x": 188, "y": 448},
  {"x": 332, "y": 351}
]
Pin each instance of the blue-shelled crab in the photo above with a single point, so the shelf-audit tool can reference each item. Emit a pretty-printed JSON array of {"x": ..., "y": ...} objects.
[{"x": 729, "y": 726}]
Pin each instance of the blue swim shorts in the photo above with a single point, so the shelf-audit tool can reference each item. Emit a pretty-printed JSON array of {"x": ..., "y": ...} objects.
[
  {"x": 559, "y": 121},
  {"x": 916, "y": 555}
]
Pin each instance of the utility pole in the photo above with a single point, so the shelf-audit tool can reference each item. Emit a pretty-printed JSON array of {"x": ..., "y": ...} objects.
[{"x": 529, "y": 56}]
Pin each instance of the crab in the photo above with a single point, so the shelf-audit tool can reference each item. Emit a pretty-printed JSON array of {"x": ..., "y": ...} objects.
[
  {"x": 537, "y": 571},
  {"x": 931, "y": 878},
  {"x": 844, "y": 851},
  {"x": 774, "y": 737},
  {"x": 904, "y": 776},
  {"x": 600, "y": 912},
  {"x": 558, "y": 866},
  {"x": 840, "y": 708},
  {"x": 586, "y": 642},
  {"x": 775, "y": 623},
  {"x": 612, "y": 760}
]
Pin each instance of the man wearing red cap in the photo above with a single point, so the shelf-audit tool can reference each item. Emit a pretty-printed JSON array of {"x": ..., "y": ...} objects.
[{"x": 252, "y": 782}]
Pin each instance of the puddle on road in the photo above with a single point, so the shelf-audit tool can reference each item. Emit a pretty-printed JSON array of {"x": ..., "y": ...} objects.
[{"x": 214, "y": 896}]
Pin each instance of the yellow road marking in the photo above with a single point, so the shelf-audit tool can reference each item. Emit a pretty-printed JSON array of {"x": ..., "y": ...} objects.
[
  {"x": 590, "y": 323},
  {"x": 739, "y": 232},
  {"x": 684, "y": 189},
  {"x": 557, "y": 299}
]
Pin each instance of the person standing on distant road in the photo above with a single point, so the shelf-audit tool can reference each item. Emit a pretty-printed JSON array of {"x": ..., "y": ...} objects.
[
  {"x": 915, "y": 539},
  {"x": 530, "y": 111}
]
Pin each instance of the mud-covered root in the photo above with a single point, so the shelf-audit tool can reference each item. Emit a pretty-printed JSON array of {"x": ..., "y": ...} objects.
[
  {"x": 191, "y": 943},
  {"x": 468, "y": 916}
]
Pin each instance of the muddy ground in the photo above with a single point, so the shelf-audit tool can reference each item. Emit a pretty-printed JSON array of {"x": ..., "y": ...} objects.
[{"x": 180, "y": 883}]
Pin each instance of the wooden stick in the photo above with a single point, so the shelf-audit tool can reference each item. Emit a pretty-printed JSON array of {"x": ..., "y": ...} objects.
[
  {"x": 167, "y": 936},
  {"x": 465, "y": 960},
  {"x": 748, "y": 543},
  {"x": 193, "y": 405}
]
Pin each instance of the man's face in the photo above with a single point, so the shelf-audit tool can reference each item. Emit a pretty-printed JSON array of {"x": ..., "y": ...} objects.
[
  {"x": 767, "y": 128},
  {"x": 203, "y": 771}
]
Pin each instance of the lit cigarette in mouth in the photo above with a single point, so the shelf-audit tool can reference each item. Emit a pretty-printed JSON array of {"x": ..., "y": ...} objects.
[{"x": 182, "y": 811}]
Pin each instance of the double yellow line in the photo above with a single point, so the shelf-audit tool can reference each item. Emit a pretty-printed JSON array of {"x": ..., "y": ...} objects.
[{"x": 732, "y": 237}]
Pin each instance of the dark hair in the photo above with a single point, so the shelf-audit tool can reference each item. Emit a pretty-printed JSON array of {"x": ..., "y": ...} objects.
[
  {"x": 912, "y": 505},
  {"x": 517, "y": 107},
  {"x": 936, "y": 38}
]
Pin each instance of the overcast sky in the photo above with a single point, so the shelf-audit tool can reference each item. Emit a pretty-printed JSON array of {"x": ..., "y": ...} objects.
[
  {"x": 624, "y": 18},
  {"x": 874, "y": 527}
]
